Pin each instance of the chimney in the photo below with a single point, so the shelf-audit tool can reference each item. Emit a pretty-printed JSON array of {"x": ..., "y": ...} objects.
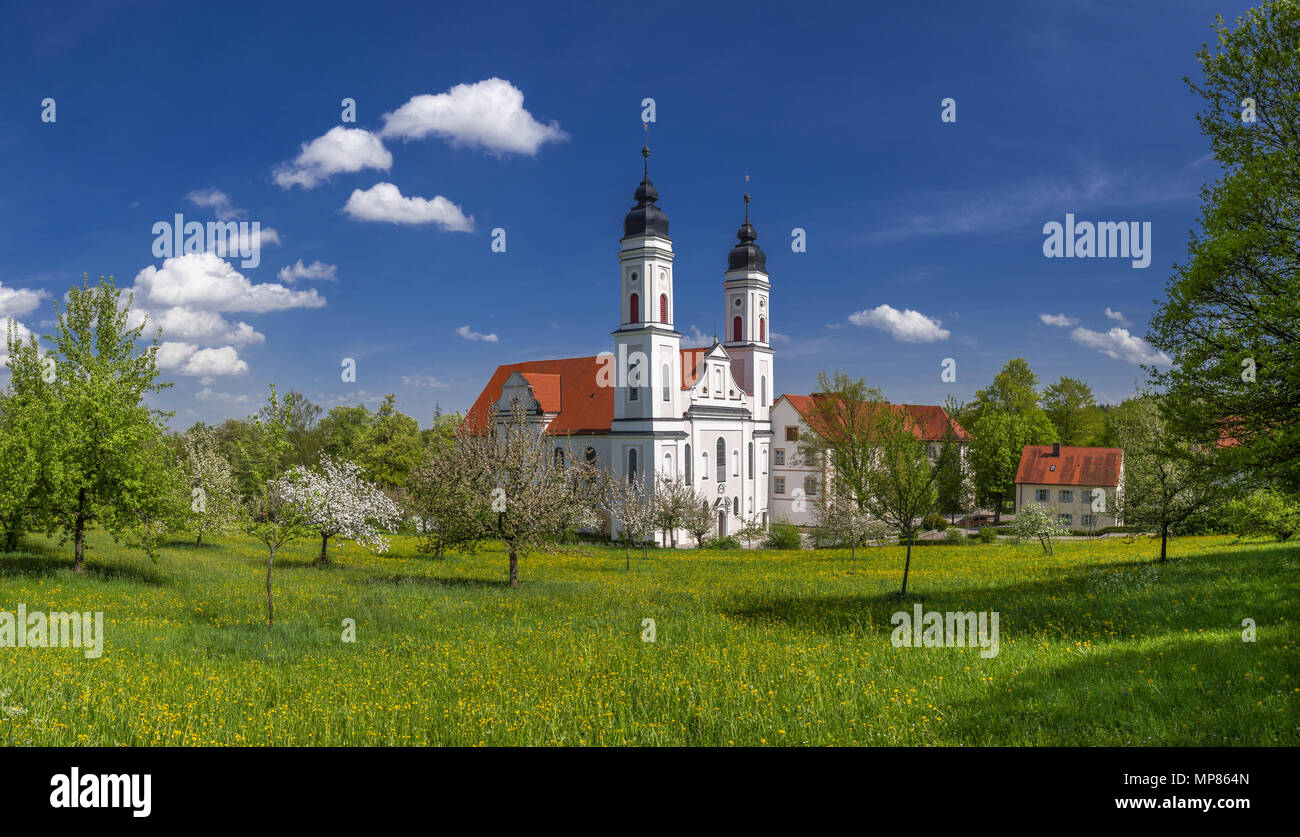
[{"x": 1056, "y": 448}]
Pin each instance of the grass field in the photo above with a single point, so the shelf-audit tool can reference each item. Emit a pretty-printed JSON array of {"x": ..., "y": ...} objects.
[{"x": 1097, "y": 646}]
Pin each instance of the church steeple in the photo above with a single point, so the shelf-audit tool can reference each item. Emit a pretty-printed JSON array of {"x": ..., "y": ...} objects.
[{"x": 645, "y": 218}]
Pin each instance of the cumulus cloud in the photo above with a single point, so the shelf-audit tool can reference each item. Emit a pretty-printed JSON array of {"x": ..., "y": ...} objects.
[
  {"x": 1116, "y": 316},
  {"x": 216, "y": 200},
  {"x": 204, "y": 282},
  {"x": 384, "y": 202},
  {"x": 315, "y": 270},
  {"x": 21, "y": 331},
  {"x": 469, "y": 334},
  {"x": 488, "y": 114},
  {"x": 422, "y": 381},
  {"x": 1119, "y": 344},
  {"x": 339, "y": 150},
  {"x": 696, "y": 339},
  {"x": 19, "y": 302},
  {"x": 1057, "y": 320},
  {"x": 204, "y": 326},
  {"x": 188, "y": 359},
  {"x": 206, "y": 394},
  {"x": 906, "y": 326}
]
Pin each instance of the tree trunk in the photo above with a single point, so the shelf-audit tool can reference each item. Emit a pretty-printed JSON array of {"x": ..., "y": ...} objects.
[
  {"x": 853, "y": 552},
  {"x": 199, "y": 541},
  {"x": 907, "y": 566},
  {"x": 997, "y": 511},
  {"x": 79, "y": 534},
  {"x": 627, "y": 555},
  {"x": 324, "y": 559},
  {"x": 514, "y": 568},
  {"x": 270, "y": 603},
  {"x": 1164, "y": 540}
]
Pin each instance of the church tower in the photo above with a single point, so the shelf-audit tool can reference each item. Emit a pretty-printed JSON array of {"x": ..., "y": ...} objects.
[
  {"x": 646, "y": 344},
  {"x": 748, "y": 317}
]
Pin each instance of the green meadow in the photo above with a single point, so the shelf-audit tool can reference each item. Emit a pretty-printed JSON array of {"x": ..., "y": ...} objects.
[{"x": 1097, "y": 645}]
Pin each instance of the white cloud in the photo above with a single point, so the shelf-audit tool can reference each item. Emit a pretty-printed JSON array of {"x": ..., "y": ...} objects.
[
  {"x": 216, "y": 200},
  {"x": 384, "y": 202},
  {"x": 188, "y": 359},
  {"x": 1121, "y": 345},
  {"x": 315, "y": 270},
  {"x": 1057, "y": 320},
  {"x": 469, "y": 334},
  {"x": 697, "y": 339},
  {"x": 488, "y": 114},
  {"x": 18, "y": 302},
  {"x": 206, "y": 394},
  {"x": 204, "y": 282},
  {"x": 1117, "y": 316},
  {"x": 777, "y": 337},
  {"x": 339, "y": 150},
  {"x": 422, "y": 381},
  {"x": 906, "y": 326},
  {"x": 183, "y": 323}
]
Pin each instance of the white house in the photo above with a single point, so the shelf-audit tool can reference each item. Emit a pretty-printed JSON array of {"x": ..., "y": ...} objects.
[{"x": 1068, "y": 479}]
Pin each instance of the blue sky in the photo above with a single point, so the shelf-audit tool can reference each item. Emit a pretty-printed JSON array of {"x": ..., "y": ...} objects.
[{"x": 832, "y": 109}]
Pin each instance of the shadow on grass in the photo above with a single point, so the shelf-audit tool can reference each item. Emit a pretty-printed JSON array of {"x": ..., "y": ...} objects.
[
  {"x": 432, "y": 581},
  {"x": 46, "y": 565},
  {"x": 1088, "y": 602}
]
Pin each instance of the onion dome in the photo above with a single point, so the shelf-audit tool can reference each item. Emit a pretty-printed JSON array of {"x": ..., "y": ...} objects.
[
  {"x": 747, "y": 255},
  {"x": 645, "y": 218}
]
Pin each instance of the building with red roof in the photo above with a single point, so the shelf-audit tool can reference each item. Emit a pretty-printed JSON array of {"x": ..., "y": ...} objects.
[{"x": 1084, "y": 487}]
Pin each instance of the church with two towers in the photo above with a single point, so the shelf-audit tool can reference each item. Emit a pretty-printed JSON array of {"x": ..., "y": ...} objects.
[{"x": 651, "y": 408}]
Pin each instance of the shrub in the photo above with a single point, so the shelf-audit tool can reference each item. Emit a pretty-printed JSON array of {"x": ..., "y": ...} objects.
[
  {"x": 955, "y": 536},
  {"x": 988, "y": 534},
  {"x": 933, "y": 522},
  {"x": 784, "y": 535},
  {"x": 722, "y": 543}
]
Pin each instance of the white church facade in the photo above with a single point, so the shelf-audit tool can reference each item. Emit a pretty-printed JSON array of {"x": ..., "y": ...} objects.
[{"x": 652, "y": 408}]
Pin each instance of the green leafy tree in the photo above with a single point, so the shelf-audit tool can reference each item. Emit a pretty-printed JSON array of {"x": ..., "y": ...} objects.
[
  {"x": 1013, "y": 390},
  {"x": 1265, "y": 511},
  {"x": 31, "y": 458},
  {"x": 998, "y": 439},
  {"x": 1231, "y": 320},
  {"x": 392, "y": 447},
  {"x": 116, "y": 473},
  {"x": 1072, "y": 409}
]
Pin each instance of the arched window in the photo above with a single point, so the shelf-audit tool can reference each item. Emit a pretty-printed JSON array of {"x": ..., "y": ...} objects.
[
  {"x": 735, "y": 463},
  {"x": 722, "y": 459},
  {"x": 668, "y": 465},
  {"x": 762, "y": 328},
  {"x": 631, "y": 465},
  {"x": 687, "y": 465},
  {"x": 704, "y": 473},
  {"x": 663, "y": 308},
  {"x": 634, "y": 309},
  {"x": 762, "y": 391},
  {"x": 751, "y": 460},
  {"x": 667, "y": 378},
  {"x": 764, "y": 461},
  {"x": 634, "y": 377},
  {"x": 735, "y": 506},
  {"x": 735, "y": 329}
]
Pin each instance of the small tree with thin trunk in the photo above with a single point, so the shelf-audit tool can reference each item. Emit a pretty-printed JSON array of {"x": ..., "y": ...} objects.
[
  {"x": 448, "y": 497},
  {"x": 273, "y": 519},
  {"x": 211, "y": 495},
  {"x": 634, "y": 510},
  {"x": 698, "y": 518},
  {"x": 839, "y": 515},
  {"x": 671, "y": 502},
  {"x": 751, "y": 530},
  {"x": 1035, "y": 521},
  {"x": 335, "y": 501},
  {"x": 533, "y": 491}
]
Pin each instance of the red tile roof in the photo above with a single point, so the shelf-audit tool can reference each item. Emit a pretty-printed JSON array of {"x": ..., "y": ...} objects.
[
  {"x": 1074, "y": 466},
  {"x": 569, "y": 387},
  {"x": 930, "y": 423}
]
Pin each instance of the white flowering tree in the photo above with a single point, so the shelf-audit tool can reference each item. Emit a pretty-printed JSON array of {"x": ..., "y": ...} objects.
[
  {"x": 1036, "y": 521},
  {"x": 213, "y": 501},
  {"x": 840, "y": 515},
  {"x": 335, "y": 501},
  {"x": 634, "y": 509}
]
